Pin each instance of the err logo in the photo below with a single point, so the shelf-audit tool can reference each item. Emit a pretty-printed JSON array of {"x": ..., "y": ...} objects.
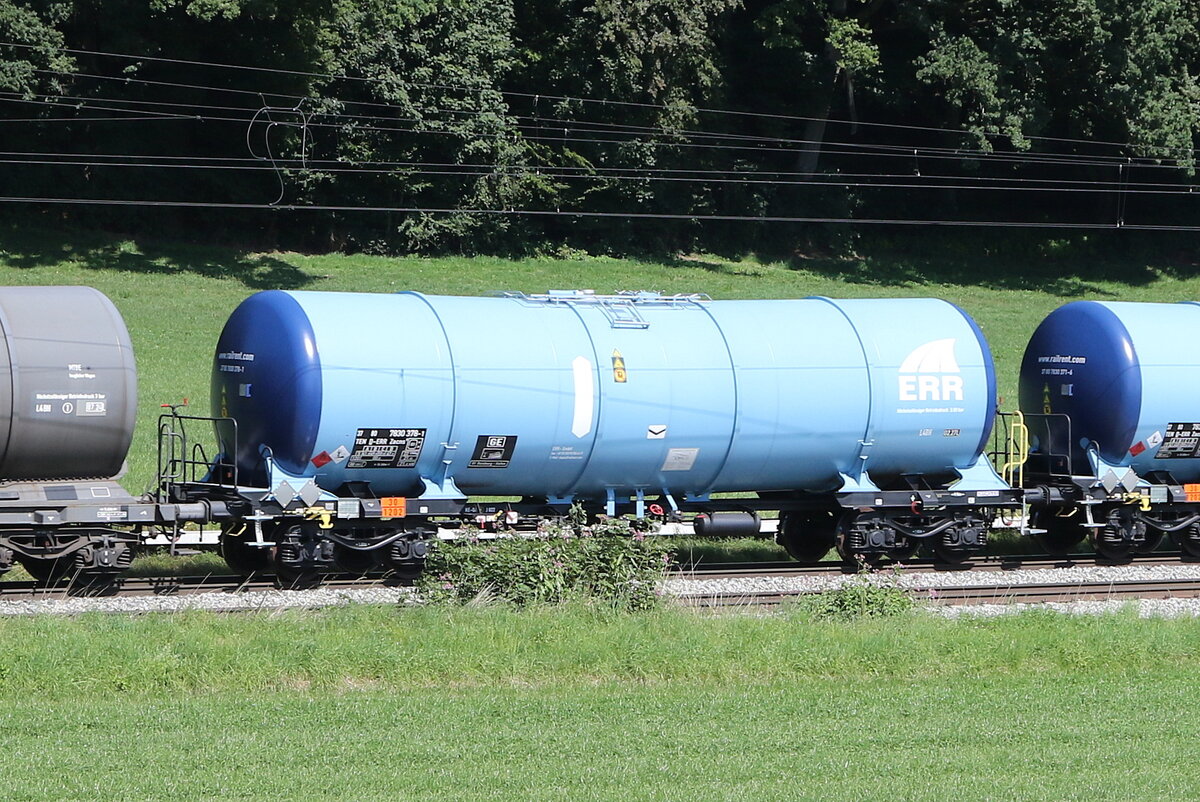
[{"x": 931, "y": 373}]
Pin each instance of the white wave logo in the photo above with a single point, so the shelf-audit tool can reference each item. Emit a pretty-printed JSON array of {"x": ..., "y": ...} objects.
[{"x": 931, "y": 373}]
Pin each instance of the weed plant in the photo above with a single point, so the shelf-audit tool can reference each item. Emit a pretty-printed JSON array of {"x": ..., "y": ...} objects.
[
  {"x": 608, "y": 562},
  {"x": 865, "y": 595}
]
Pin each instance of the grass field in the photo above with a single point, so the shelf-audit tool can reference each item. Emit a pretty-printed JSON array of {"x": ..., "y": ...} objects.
[
  {"x": 175, "y": 298},
  {"x": 378, "y": 703}
]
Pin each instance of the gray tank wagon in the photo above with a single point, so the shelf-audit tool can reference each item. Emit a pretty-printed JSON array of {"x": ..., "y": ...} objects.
[{"x": 68, "y": 400}]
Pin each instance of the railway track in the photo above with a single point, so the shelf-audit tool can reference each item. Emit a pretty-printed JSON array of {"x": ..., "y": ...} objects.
[
  {"x": 989, "y": 563},
  {"x": 1060, "y": 585},
  {"x": 1049, "y": 592},
  {"x": 172, "y": 586}
]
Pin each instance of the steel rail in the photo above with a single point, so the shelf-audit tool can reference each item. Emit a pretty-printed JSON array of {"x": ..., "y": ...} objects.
[
  {"x": 1041, "y": 593},
  {"x": 986, "y": 563},
  {"x": 174, "y": 586}
]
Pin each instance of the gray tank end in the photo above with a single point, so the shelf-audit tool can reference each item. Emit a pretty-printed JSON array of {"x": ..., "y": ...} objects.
[{"x": 68, "y": 384}]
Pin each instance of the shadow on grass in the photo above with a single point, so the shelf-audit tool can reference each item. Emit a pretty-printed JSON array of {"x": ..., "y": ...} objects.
[
  {"x": 24, "y": 249},
  {"x": 1066, "y": 268}
]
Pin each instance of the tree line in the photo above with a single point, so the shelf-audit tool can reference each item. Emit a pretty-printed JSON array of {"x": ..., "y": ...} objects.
[{"x": 512, "y": 125}]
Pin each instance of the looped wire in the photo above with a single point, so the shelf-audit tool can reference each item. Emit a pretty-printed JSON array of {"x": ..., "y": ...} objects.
[{"x": 267, "y": 113}]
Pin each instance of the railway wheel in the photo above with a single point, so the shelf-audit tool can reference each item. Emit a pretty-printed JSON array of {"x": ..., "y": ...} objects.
[
  {"x": 302, "y": 554},
  {"x": 871, "y": 541},
  {"x": 242, "y": 558},
  {"x": 1154, "y": 539},
  {"x": 1110, "y": 544},
  {"x": 959, "y": 542},
  {"x": 407, "y": 574},
  {"x": 1121, "y": 535},
  {"x": 904, "y": 549},
  {"x": 406, "y": 558},
  {"x": 1063, "y": 533},
  {"x": 951, "y": 553},
  {"x": 47, "y": 572},
  {"x": 354, "y": 561},
  {"x": 289, "y": 578},
  {"x": 1188, "y": 541},
  {"x": 807, "y": 536}
]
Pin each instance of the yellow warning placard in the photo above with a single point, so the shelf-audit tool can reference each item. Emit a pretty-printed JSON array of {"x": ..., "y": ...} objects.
[{"x": 619, "y": 374}]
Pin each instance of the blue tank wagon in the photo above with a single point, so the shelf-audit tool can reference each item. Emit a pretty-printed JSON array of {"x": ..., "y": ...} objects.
[
  {"x": 367, "y": 418},
  {"x": 1110, "y": 393}
]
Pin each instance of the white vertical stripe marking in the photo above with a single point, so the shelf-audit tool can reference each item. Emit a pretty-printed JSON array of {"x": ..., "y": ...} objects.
[{"x": 584, "y": 396}]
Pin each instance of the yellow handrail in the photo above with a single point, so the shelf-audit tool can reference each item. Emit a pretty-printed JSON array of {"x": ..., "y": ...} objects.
[{"x": 1016, "y": 451}]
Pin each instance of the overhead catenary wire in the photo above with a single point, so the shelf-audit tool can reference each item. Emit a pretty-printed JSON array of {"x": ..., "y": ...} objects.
[
  {"x": 829, "y": 180},
  {"x": 577, "y": 99},
  {"x": 578, "y": 133},
  {"x": 598, "y": 214},
  {"x": 561, "y": 127},
  {"x": 872, "y": 181},
  {"x": 552, "y": 170},
  {"x": 903, "y": 152}
]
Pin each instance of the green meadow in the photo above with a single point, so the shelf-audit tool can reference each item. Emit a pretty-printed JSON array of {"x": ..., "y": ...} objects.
[{"x": 378, "y": 703}]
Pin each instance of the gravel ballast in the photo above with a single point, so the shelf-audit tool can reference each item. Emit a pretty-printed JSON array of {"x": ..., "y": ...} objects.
[
  {"x": 249, "y": 601},
  {"x": 246, "y": 601},
  {"x": 934, "y": 580}
]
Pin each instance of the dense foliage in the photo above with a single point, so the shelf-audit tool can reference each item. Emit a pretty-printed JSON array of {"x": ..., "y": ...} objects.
[
  {"x": 608, "y": 120},
  {"x": 605, "y": 562}
]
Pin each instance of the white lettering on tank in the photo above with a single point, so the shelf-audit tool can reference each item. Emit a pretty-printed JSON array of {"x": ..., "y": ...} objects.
[{"x": 930, "y": 373}]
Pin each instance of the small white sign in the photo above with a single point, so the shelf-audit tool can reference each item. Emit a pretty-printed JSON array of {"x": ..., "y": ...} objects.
[
  {"x": 656, "y": 431},
  {"x": 339, "y": 454},
  {"x": 1154, "y": 439},
  {"x": 680, "y": 459}
]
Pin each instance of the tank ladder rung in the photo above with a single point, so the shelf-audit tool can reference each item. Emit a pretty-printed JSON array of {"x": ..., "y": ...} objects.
[{"x": 623, "y": 314}]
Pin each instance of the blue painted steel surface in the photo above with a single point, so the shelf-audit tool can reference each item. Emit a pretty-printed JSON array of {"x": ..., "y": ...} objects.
[
  {"x": 576, "y": 395},
  {"x": 1128, "y": 374},
  {"x": 274, "y": 389}
]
